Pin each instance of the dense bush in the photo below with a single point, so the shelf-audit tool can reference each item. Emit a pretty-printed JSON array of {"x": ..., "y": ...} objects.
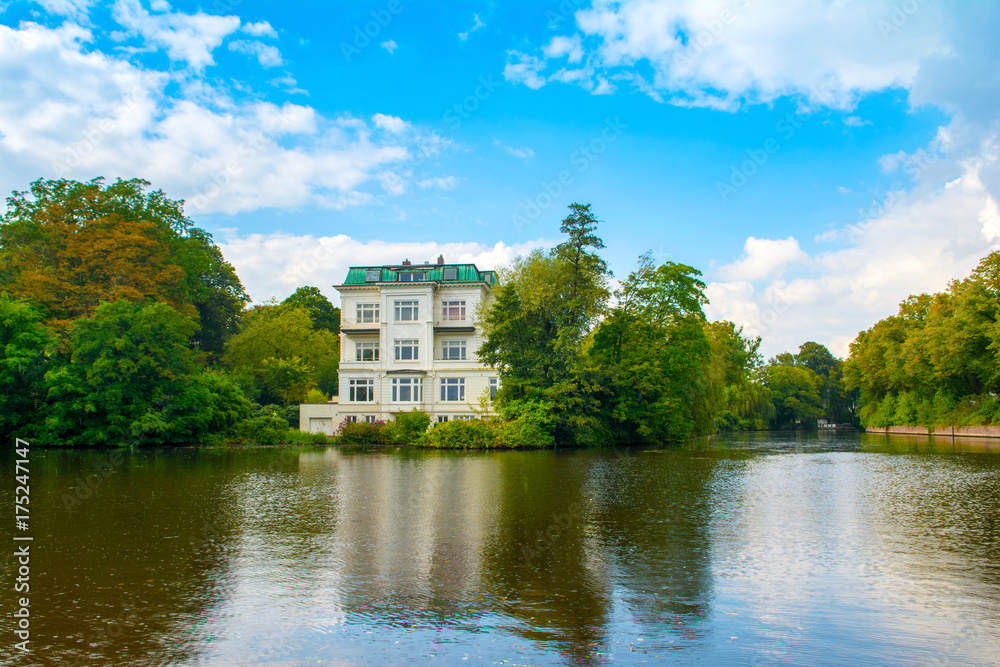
[
  {"x": 364, "y": 433},
  {"x": 262, "y": 430},
  {"x": 407, "y": 427},
  {"x": 528, "y": 430}
]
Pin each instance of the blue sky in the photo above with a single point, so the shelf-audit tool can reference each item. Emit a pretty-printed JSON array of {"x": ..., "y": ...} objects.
[{"x": 818, "y": 161}]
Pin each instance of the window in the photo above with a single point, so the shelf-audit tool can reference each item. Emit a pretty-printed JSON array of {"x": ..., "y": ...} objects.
[
  {"x": 442, "y": 419},
  {"x": 452, "y": 389},
  {"x": 406, "y": 390},
  {"x": 373, "y": 275},
  {"x": 362, "y": 391},
  {"x": 367, "y": 351},
  {"x": 494, "y": 385},
  {"x": 464, "y": 418},
  {"x": 406, "y": 311},
  {"x": 453, "y": 310},
  {"x": 352, "y": 418},
  {"x": 451, "y": 273},
  {"x": 453, "y": 349},
  {"x": 370, "y": 419},
  {"x": 412, "y": 276},
  {"x": 367, "y": 313},
  {"x": 406, "y": 349}
]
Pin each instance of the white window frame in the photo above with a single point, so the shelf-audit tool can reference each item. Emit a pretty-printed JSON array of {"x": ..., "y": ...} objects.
[
  {"x": 361, "y": 348},
  {"x": 453, "y": 311},
  {"x": 411, "y": 276},
  {"x": 408, "y": 306},
  {"x": 414, "y": 385},
  {"x": 367, "y": 384},
  {"x": 448, "y": 346},
  {"x": 494, "y": 384},
  {"x": 411, "y": 344},
  {"x": 367, "y": 313},
  {"x": 373, "y": 275},
  {"x": 459, "y": 389},
  {"x": 445, "y": 273}
]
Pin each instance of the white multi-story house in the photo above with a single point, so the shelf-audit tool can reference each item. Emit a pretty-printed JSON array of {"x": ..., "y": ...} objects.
[{"x": 408, "y": 339}]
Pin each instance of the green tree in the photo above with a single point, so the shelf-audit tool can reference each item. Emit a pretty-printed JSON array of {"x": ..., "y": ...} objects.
[
  {"x": 796, "y": 391},
  {"x": 276, "y": 332},
  {"x": 323, "y": 313},
  {"x": 69, "y": 246},
  {"x": 132, "y": 379},
  {"x": 24, "y": 358},
  {"x": 538, "y": 321},
  {"x": 736, "y": 392},
  {"x": 653, "y": 348}
]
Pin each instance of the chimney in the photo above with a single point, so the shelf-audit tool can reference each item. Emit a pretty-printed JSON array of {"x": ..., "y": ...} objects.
[
  {"x": 406, "y": 262},
  {"x": 440, "y": 259}
]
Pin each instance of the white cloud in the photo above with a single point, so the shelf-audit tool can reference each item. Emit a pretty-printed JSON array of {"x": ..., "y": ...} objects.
[
  {"x": 259, "y": 29},
  {"x": 75, "y": 112},
  {"x": 725, "y": 54},
  {"x": 77, "y": 10},
  {"x": 390, "y": 46},
  {"x": 439, "y": 182},
  {"x": 565, "y": 46},
  {"x": 764, "y": 258},
  {"x": 475, "y": 26},
  {"x": 392, "y": 124},
  {"x": 520, "y": 153},
  {"x": 274, "y": 265},
  {"x": 187, "y": 37},
  {"x": 920, "y": 242},
  {"x": 267, "y": 55},
  {"x": 287, "y": 83},
  {"x": 522, "y": 68}
]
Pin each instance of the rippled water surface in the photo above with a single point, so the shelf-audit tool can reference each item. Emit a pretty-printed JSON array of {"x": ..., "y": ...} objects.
[{"x": 763, "y": 549}]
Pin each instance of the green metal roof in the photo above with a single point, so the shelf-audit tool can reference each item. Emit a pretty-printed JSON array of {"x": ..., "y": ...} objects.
[{"x": 467, "y": 273}]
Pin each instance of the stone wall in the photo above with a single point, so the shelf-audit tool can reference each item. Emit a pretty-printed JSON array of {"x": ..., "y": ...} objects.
[{"x": 950, "y": 431}]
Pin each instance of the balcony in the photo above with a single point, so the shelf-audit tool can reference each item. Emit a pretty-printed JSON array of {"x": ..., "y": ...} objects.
[{"x": 454, "y": 326}]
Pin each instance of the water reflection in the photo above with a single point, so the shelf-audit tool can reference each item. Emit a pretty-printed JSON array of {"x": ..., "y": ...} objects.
[{"x": 764, "y": 549}]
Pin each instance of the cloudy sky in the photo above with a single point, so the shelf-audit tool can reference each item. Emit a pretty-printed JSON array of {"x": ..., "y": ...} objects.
[{"x": 818, "y": 161}]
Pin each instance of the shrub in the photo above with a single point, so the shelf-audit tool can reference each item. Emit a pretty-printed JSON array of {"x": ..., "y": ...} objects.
[
  {"x": 363, "y": 433},
  {"x": 262, "y": 430},
  {"x": 460, "y": 434},
  {"x": 407, "y": 427},
  {"x": 316, "y": 396}
]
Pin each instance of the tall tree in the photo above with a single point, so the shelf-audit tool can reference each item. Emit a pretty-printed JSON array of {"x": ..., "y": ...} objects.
[
  {"x": 24, "y": 358},
  {"x": 69, "y": 246},
  {"x": 324, "y": 314},
  {"x": 133, "y": 379},
  {"x": 276, "y": 332}
]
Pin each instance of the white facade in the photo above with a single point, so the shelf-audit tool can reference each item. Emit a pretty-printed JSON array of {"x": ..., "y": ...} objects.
[{"x": 406, "y": 345}]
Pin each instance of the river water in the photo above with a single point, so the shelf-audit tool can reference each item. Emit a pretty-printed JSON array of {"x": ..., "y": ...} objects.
[{"x": 762, "y": 549}]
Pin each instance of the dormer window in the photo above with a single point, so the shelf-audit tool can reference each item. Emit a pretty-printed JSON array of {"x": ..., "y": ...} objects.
[
  {"x": 451, "y": 273},
  {"x": 412, "y": 276},
  {"x": 372, "y": 275}
]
